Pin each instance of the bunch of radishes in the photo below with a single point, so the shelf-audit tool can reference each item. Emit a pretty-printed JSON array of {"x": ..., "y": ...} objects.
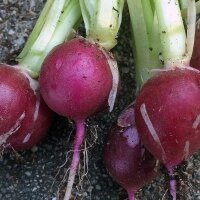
[
  {"x": 79, "y": 78},
  {"x": 25, "y": 118},
  {"x": 167, "y": 107}
]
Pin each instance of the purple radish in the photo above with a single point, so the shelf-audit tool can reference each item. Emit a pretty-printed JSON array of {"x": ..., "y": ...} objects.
[
  {"x": 168, "y": 115},
  {"x": 25, "y": 118},
  {"x": 125, "y": 158},
  {"x": 32, "y": 130},
  {"x": 76, "y": 79},
  {"x": 167, "y": 109},
  {"x": 75, "y": 82}
]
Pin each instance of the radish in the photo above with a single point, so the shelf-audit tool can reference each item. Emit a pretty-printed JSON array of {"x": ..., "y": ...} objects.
[
  {"x": 75, "y": 82},
  {"x": 69, "y": 86},
  {"x": 125, "y": 158},
  {"x": 79, "y": 78},
  {"x": 25, "y": 118},
  {"x": 167, "y": 108},
  {"x": 175, "y": 136}
]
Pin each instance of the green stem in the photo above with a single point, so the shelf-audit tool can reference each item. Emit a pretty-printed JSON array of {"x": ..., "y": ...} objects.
[
  {"x": 172, "y": 32},
  {"x": 37, "y": 28},
  {"x": 191, "y": 27},
  {"x": 141, "y": 43},
  {"x": 53, "y": 27},
  {"x": 155, "y": 45},
  {"x": 183, "y": 4},
  {"x": 184, "y": 11},
  {"x": 146, "y": 48},
  {"x": 151, "y": 21},
  {"x": 148, "y": 15},
  {"x": 102, "y": 20},
  {"x": 152, "y": 5}
]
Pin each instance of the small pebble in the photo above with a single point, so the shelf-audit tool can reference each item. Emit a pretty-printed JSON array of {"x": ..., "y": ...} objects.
[{"x": 28, "y": 173}]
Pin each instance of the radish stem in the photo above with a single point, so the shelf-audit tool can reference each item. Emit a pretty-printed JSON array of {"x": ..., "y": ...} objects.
[
  {"x": 102, "y": 20},
  {"x": 79, "y": 139},
  {"x": 184, "y": 10},
  {"x": 191, "y": 25},
  {"x": 146, "y": 43},
  {"x": 141, "y": 43},
  {"x": 148, "y": 15},
  {"x": 172, "y": 32},
  {"x": 183, "y": 3},
  {"x": 52, "y": 28}
]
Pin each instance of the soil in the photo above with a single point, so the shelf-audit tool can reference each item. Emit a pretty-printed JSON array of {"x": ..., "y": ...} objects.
[{"x": 37, "y": 174}]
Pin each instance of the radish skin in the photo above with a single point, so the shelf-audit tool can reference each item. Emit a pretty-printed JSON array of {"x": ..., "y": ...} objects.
[
  {"x": 76, "y": 79},
  {"x": 25, "y": 117},
  {"x": 171, "y": 100},
  {"x": 125, "y": 158}
]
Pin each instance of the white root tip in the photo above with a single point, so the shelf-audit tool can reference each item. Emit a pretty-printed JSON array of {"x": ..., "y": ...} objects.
[
  {"x": 191, "y": 25},
  {"x": 70, "y": 183}
]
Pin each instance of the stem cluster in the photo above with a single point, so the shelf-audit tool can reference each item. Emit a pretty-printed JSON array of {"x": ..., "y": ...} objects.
[{"x": 54, "y": 26}]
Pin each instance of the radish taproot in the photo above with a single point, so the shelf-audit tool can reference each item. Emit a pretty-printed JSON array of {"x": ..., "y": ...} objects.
[
  {"x": 25, "y": 118},
  {"x": 125, "y": 158},
  {"x": 167, "y": 108},
  {"x": 79, "y": 78}
]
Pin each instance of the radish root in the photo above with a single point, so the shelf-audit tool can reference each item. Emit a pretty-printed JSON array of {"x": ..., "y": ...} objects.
[
  {"x": 131, "y": 194},
  {"x": 79, "y": 138},
  {"x": 85, "y": 166},
  {"x": 81, "y": 173},
  {"x": 172, "y": 184}
]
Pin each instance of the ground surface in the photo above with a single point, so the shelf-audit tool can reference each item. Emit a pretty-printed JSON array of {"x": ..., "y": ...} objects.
[{"x": 31, "y": 175}]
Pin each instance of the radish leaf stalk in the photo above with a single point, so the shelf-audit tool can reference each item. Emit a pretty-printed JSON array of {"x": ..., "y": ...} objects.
[
  {"x": 102, "y": 21},
  {"x": 145, "y": 36},
  {"x": 184, "y": 9},
  {"x": 52, "y": 28},
  {"x": 183, "y": 3},
  {"x": 172, "y": 32}
]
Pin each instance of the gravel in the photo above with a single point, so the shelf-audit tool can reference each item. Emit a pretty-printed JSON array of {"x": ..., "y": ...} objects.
[{"x": 36, "y": 174}]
